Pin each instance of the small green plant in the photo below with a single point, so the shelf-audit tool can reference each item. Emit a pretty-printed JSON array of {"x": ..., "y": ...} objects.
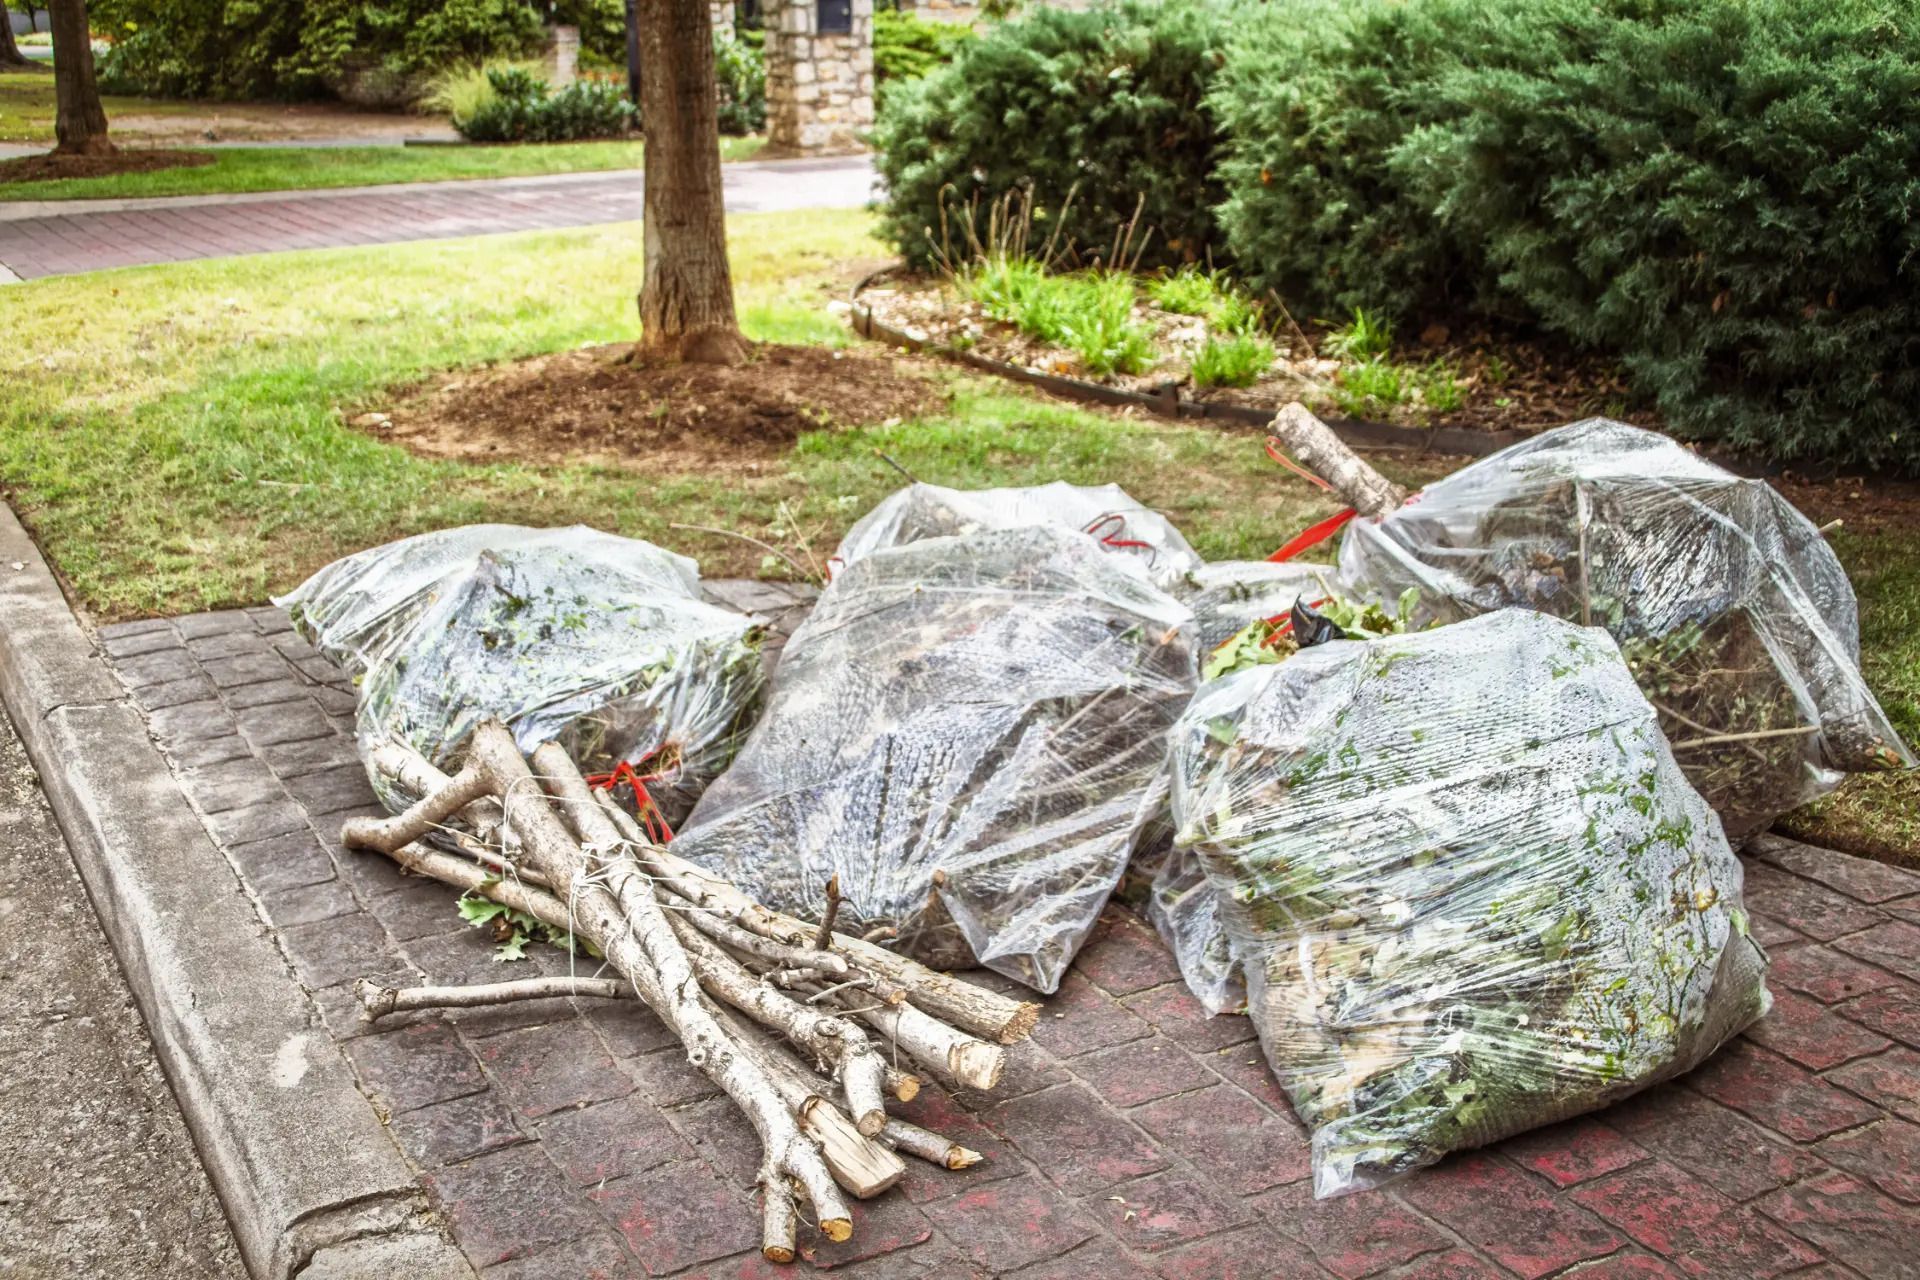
[
  {"x": 1441, "y": 390},
  {"x": 1190, "y": 291},
  {"x": 1090, "y": 313},
  {"x": 1234, "y": 312},
  {"x": 1497, "y": 371},
  {"x": 1016, "y": 291},
  {"x": 1237, "y": 360},
  {"x": 1371, "y": 387},
  {"x": 1194, "y": 291},
  {"x": 1099, "y": 324},
  {"x": 1365, "y": 337}
]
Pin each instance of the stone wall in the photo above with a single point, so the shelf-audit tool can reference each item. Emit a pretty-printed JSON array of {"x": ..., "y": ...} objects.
[
  {"x": 819, "y": 84},
  {"x": 562, "y": 58},
  {"x": 722, "y": 11}
]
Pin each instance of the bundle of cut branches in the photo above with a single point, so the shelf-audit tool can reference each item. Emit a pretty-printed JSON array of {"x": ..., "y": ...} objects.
[{"x": 810, "y": 1032}]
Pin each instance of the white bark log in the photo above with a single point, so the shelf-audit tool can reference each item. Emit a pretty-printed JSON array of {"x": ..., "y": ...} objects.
[
  {"x": 639, "y": 941},
  {"x": 1320, "y": 451},
  {"x": 929, "y": 1146},
  {"x": 971, "y": 1008}
]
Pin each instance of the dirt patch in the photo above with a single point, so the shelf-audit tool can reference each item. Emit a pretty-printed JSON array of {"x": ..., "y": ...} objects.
[
  {"x": 47, "y": 168},
  {"x": 278, "y": 122},
  {"x": 1864, "y": 504},
  {"x": 595, "y": 405}
]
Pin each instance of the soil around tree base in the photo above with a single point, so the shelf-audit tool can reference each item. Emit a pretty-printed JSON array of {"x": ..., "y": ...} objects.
[
  {"x": 600, "y": 405},
  {"x": 49, "y": 167}
]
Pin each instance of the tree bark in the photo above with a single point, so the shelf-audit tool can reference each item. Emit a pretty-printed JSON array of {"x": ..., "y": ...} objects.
[
  {"x": 686, "y": 290},
  {"x": 80, "y": 122},
  {"x": 970, "y": 1008},
  {"x": 1312, "y": 441},
  {"x": 11, "y": 59}
]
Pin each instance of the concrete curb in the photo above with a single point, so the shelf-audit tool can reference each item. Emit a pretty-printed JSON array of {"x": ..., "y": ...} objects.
[{"x": 311, "y": 1181}]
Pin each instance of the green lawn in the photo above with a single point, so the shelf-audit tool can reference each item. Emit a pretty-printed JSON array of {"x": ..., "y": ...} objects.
[
  {"x": 312, "y": 168},
  {"x": 176, "y": 435},
  {"x": 1879, "y": 813}
]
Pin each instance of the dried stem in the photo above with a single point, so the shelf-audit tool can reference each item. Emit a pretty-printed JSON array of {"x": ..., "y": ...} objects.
[{"x": 378, "y": 1001}]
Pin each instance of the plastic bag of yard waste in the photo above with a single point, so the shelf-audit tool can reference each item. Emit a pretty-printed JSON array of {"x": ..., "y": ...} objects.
[
  {"x": 1226, "y": 595},
  {"x": 1184, "y": 907},
  {"x": 1105, "y": 512},
  {"x": 351, "y": 609},
  {"x": 970, "y": 733},
  {"x": 1733, "y": 612},
  {"x": 1471, "y": 887},
  {"x": 598, "y": 642}
]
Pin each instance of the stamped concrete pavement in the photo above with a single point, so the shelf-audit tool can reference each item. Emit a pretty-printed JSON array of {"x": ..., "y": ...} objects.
[
  {"x": 100, "y": 1178},
  {"x": 49, "y": 238},
  {"x": 1133, "y": 1136}
]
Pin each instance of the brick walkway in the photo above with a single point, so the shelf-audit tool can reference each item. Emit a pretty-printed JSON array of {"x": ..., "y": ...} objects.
[
  {"x": 59, "y": 238},
  {"x": 1134, "y": 1137}
]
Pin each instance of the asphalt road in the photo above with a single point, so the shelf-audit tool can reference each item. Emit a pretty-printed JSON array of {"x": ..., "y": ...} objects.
[{"x": 99, "y": 1178}]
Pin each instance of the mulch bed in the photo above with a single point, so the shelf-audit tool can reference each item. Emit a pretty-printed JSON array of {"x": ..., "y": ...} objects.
[
  {"x": 598, "y": 405},
  {"x": 48, "y": 168},
  {"x": 1511, "y": 384}
]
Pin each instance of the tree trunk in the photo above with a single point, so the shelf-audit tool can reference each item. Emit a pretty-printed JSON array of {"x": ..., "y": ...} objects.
[
  {"x": 11, "y": 59},
  {"x": 80, "y": 123},
  {"x": 686, "y": 291}
]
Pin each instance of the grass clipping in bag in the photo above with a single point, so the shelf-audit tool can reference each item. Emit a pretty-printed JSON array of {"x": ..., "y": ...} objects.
[
  {"x": 968, "y": 732},
  {"x": 1732, "y": 611},
  {"x": 1472, "y": 892}
]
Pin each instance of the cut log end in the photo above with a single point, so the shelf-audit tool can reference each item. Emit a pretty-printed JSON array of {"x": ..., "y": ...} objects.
[
  {"x": 1021, "y": 1024},
  {"x": 870, "y": 1123},
  {"x": 905, "y": 1087},
  {"x": 836, "y": 1229},
  {"x": 977, "y": 1064},
  {"x": 776, "y": 1253},
  {"x": 959, "y": 1157},
  {"x": 376, "y": 1001}
]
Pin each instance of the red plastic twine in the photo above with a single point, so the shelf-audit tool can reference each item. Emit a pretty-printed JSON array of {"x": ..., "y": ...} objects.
[
  {"x": 1313, "y": 536},
  {"x": 1108, "y": 529},
  {"x": 1274, "y": 452},
  {"x": 651, "y": 819}
]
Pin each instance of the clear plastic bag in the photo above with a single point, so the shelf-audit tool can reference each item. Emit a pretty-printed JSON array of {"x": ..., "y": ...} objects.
[
  {"x": 1473, "y": 892},
  {"x": 1184, "y": 907},
  {"x": 598, "y": 642},
  {"x": 1105, "y": 512},
  {"x": 1226, "y": 595},
  {"x": 1731, "y": 609},
  {"x": 970, "y": 733},
  {"x": 351, "y": 609}
]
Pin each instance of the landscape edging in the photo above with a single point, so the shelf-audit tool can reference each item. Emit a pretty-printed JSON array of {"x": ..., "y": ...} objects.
[{"x": 296, "y": 1153}]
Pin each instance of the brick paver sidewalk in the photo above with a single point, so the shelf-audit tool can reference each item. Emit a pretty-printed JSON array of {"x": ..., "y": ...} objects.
[
  {"x": 90, "y": 235},
  {"x": 1133, "y": 1137}
]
